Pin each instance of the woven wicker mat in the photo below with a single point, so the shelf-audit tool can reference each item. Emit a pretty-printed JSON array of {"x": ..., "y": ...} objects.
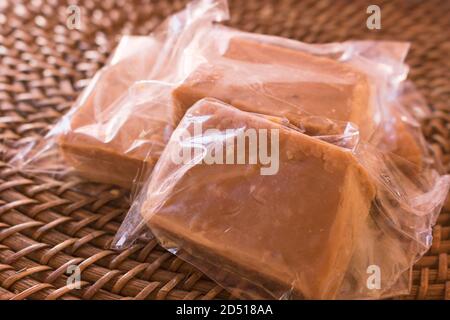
[{"x": 46, "y": 226}]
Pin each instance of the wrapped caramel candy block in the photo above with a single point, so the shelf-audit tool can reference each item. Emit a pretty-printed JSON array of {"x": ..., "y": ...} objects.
[
  {"x": 266, "y": 203},
  {"x": 269, "y": 212},
  {"x": 115, "y": 131},
  {"x": 114, "y": 136},
  {"x": 267, "y": 79},
  {"x": 349, "y": 82},
  {"x": 110, "y": 133},
  {"x": 122, "y": 141}
]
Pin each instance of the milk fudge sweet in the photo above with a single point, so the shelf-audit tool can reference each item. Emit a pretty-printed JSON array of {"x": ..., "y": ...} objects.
[
  {"x": 131, "y": 61},
  {"x": 116, "y": 143},
  {"x": 111, "y": 152},
  {"x": 112, "y": 136},
  {"x": 292, "y": 231},
  {"x": 269, "y": 79}
]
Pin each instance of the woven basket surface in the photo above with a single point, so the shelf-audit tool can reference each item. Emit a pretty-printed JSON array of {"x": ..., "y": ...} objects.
[{"x": 47, "y": 225}]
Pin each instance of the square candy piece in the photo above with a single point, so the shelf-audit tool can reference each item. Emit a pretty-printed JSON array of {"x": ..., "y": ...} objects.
[
  {"x": 120, "y": 127},
  {"x": 269, "y": 79},
  {"x": 290, "y": 232}
]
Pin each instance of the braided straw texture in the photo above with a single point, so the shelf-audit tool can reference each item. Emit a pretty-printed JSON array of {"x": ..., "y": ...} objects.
[{"x": 48, "y": 224}]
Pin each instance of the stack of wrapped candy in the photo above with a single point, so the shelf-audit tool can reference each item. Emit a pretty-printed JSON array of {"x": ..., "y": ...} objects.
[{"x": 278, "y": 168}]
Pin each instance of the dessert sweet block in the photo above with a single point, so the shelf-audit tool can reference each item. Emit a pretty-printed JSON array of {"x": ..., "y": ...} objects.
[
  {"x": 118, "y": 147},
  {"x": 292, "y": 231},
  {"x": 116, "y": 130},
  {"x": 269, "y": 79}
]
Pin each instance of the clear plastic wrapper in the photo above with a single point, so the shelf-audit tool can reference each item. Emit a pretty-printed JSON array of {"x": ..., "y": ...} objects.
[
  {"x": 354, "y": 81},
  {"x": 321, "y": 89},
  {"x": 270, "y": 212},
  {"x": 117, "y": 128},
  {"x": 401, "y": 131},
  {"x": 86, "y": 137}
]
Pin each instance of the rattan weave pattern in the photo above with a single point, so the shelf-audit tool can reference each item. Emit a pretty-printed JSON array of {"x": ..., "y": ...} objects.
[{"x": 48, "y": 224}]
